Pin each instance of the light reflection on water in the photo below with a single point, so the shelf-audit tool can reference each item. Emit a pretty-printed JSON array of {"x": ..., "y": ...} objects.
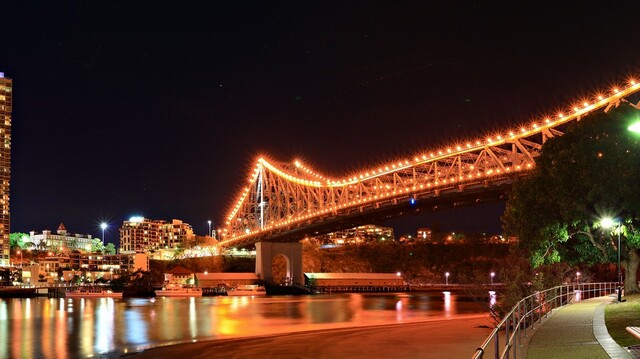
[{"x": 71, "y": 328}]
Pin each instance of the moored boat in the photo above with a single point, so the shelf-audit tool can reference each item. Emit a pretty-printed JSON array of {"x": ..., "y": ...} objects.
[
  {"x": 178, "y": 291},
  {"x": 92, "y": 292},
  {"x": 247, "y": 290}
]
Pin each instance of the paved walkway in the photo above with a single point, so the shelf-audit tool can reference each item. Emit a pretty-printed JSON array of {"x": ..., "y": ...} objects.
[{"x": 576, "y": 331}]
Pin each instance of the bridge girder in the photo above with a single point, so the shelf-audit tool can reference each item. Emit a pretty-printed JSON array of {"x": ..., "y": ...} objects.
[{"x": 291, "y": 198}]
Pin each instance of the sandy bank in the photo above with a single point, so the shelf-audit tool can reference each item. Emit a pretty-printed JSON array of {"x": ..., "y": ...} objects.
[{"x": 442, "y": 338}]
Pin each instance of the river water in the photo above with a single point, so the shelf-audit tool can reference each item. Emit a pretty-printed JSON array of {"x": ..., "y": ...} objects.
[{"x": 77, "y": 328}]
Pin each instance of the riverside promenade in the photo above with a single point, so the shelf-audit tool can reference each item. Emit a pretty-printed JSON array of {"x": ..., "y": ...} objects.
[{"x": 576, "y": 331}]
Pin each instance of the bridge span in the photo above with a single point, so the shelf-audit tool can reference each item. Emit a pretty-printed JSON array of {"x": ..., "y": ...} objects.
[{"x": 282, "y": 203}]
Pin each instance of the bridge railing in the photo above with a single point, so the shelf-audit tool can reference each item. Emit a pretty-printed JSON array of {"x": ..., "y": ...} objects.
[{"x": 506, "y": 338}]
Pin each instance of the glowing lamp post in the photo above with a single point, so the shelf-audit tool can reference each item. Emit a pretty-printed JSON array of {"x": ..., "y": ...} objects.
[
  {"x": 103, "y": 227},
  {"x": 209, "y": 233},
  {"x": 446, "y": 278},
  {"x": 493, "y": 274},
  {"x": 578, "y": 277},
  {"x": 20, "y": 253},
  {"x": 609, "y": 223}
]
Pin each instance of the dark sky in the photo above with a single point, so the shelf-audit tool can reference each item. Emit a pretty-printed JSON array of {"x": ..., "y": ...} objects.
[{"x": 161, "y": 108}]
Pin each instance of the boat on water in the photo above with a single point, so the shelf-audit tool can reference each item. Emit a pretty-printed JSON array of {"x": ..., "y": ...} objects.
[
  {"x": 91, "y": 292},
  {"x": 247, "y": 290},
  {"x": 178, "y": 291}
]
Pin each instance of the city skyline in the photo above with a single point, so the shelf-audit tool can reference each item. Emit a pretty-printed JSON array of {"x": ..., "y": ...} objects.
[{"x": 123, "y": 111}]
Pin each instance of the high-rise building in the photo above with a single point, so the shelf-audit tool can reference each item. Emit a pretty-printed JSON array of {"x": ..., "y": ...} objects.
[
  {"x": 140, "y": 234},
  {"x": 5, "y": 166}
]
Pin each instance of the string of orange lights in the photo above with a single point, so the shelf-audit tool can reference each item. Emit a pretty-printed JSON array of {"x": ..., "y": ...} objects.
[{"x": 545, "y": 124}]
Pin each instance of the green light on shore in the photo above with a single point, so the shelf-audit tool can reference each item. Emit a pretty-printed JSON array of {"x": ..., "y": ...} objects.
[{"x": 635, "y": 127}]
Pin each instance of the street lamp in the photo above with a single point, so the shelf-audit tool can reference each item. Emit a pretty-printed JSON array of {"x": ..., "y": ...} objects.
[
  {"x": 20, "y": 253},
  {"x": 209, "y": 233},
  {"x": 446, "y": 278},
  {"x": 493, "y": 274},
  {"x": 609, "y": 223},
  {"x": 103, "y": 226},
  {"x": 578, "y": 277}
]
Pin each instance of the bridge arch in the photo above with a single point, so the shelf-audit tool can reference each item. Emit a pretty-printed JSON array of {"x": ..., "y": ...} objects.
[{"x": 292, "y": 252}]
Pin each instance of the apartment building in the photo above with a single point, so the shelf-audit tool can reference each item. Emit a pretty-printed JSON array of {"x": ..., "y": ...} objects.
[
  {"x": 140, "y": 234},
  {"x": 5, "y": 166}
]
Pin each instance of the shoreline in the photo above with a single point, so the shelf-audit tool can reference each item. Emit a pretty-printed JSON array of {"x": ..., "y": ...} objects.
[{"x": 446, "y": 338}]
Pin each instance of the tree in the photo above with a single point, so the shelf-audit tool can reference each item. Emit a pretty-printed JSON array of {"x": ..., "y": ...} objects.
[
  {"x": 17, "y": 240},
  {"x": 97, "y": 246},
  {"x": 589, "y": 173},
  {"x": 73, "y": 244},
  {"x": 110, "y": 248}
]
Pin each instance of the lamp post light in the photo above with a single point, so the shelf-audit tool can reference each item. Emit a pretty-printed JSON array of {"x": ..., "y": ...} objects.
[
  {"x": 446, "y": 278},
  {"x": 578, "y": 277},
  {"x": 609, "y": 223},
  {"x": 20, "y": 253},
  {"x": 209, "y": 233},
  {"x": 493, "y": 274},
  {"x": 103, "y": 226}
]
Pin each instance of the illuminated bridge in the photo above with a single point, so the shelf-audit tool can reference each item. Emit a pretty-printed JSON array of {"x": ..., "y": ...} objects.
[{"x": 282, "y": 203}]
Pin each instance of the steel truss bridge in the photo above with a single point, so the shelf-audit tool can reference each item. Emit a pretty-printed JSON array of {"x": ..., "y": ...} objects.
[{"x": 285, "y": 202}]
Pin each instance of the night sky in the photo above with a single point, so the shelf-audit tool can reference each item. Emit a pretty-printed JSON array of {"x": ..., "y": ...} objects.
[{"x": 160, "y": 108}]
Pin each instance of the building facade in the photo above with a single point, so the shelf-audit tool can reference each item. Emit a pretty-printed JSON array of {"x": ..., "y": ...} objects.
[
  {"x": 140, "y": 234},
  {"x": 61, "y": 241},
  {"x": 58, "y": 268},
  {"x": 5, "y": 166},
  {"x": 354, "y": 279},
  {"x": 424, "y": 234}
]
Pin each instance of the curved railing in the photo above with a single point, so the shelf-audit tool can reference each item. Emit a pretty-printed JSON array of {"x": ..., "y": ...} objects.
[{"x": 530, "y": 310}]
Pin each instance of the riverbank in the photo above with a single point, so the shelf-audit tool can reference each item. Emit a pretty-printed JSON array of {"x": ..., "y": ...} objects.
[{"x": 437, "y": 338}]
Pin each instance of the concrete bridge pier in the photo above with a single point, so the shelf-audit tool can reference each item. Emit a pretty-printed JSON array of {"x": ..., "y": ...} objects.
[{"x": 292, "y": 252}]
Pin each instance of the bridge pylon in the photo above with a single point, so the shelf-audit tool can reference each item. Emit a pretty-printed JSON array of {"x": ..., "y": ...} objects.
[{"x": 292, "y": 252}]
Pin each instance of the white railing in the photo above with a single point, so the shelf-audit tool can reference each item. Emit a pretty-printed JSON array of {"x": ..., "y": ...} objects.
[{"x": 530, "y": 310}]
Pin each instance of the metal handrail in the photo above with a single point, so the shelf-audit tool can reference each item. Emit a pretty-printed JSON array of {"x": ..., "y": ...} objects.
[{"x": 531, "y": 309}]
